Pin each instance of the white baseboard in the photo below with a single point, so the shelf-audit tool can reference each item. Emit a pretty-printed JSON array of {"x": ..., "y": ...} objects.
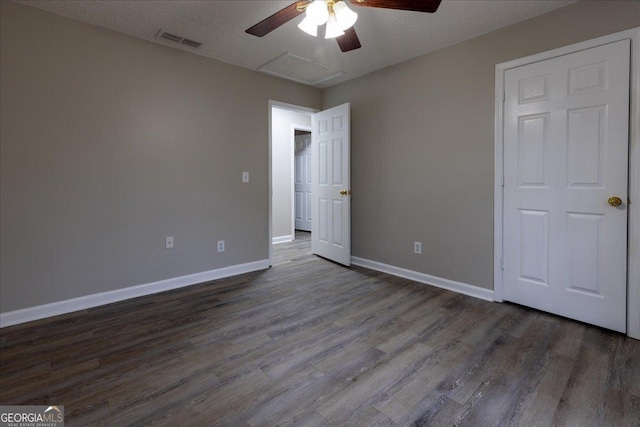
[
  {"x": 81, "y": 303},
  {"x": 282, "y": 239},
  {"x": 461, "y": 288}
]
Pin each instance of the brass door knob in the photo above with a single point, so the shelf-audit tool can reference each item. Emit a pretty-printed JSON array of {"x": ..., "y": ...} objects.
[
  {"x": 343, "y": 192},
  {"x": 614, "y": 201}
]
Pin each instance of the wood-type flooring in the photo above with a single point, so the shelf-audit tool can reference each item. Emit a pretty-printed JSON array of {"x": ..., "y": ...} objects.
[{"x": 311, "y": 343}]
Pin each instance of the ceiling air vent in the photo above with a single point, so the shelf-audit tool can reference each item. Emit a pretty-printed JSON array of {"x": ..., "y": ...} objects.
[
  {"x": 191, "y": 43},
  {"x": 162, "y": 34}
]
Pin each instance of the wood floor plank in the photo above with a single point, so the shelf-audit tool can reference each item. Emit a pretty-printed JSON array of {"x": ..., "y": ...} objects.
[
  {"x": 292, "y": 404},
  {"x": 570, "y": 337},
  {"x": 625, "y": 371},
  {"x": 584, "y": 398},
  {"x": 465, "y": 378},
  {"x": 401, "y": 398},
  {"x": 432, "y": 410},
  {"x": 538, "y": 407},
  {"x": 345, "y": 407},
  {"x": 501, "y": 394},
  {"x": 412, "y": 332},
  {"x": 311, "y": 343}
]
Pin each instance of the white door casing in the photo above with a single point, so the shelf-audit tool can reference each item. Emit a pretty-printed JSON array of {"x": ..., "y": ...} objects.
[
  {"x": 565, "y": 153},
  {"x": 331, "y": 224},
  {"x": 302, "y": 182}
]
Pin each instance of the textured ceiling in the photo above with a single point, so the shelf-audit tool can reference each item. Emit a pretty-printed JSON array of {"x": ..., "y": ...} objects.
[{"x": 387, "y": 36}]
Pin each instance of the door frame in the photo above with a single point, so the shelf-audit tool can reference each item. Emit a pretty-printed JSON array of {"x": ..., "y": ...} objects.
[
  {"x": 294, "y": 128},
  {"x": 633, "y": 208},
  {"x": 284, "y": 106}
]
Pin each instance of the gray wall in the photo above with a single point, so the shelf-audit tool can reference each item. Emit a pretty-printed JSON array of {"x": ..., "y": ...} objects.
[
  {"x": 108, "y": 144},
  {"x": 423, "y": 141},
  {"x": 282, "y": 167}
]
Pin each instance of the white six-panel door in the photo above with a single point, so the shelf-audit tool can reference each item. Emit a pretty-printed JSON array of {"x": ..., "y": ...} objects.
[
  {"x": 331, "y": 225},
  {"x": 302, "y": 182},
  {"x": 565, "y": 156}
]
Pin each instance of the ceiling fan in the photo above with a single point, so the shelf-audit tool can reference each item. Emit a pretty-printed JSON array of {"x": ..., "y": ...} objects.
[{"x": 339, "y": 19}]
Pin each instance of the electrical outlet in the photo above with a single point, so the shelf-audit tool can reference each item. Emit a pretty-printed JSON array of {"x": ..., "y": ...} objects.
[
  {"x": 220, "y": 245},
  {"x": 245, "y": 176},
  {"x": 417, "y": 247},
  {"x": 168, "y": 242}
]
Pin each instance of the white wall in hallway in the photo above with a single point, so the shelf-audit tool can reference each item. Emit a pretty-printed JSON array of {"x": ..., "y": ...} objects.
[{"x": 283, "y": 123}]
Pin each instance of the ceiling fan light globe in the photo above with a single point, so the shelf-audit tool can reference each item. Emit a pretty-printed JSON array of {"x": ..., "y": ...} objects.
[
  {"x": 333, "y": 29},
  {"x": 317, "y": 12},
  {"x": 309, "y": 27},
  {"x": 345, "y": 16}
]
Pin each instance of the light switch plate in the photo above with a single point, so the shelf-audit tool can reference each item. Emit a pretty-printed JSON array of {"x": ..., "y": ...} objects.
[{"x": 245, "y": 176}]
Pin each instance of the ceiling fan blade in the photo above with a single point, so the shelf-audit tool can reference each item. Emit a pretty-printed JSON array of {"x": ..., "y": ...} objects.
[
  {"x": 429, "y": 6},
  {"x": 348, "y": 41},
  {"x": 279, "y": 18}
]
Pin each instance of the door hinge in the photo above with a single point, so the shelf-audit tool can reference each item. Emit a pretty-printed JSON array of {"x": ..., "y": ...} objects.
[
  {"x": 503, "y": 96},
  {"x": 501, "y": 263},
  {"x": 503, "y": 180}
]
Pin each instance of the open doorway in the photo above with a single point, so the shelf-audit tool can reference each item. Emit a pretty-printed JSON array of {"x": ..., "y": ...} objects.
[
  {"x": 330, "y": 178},
  {"x": 290, "y": 171}
]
